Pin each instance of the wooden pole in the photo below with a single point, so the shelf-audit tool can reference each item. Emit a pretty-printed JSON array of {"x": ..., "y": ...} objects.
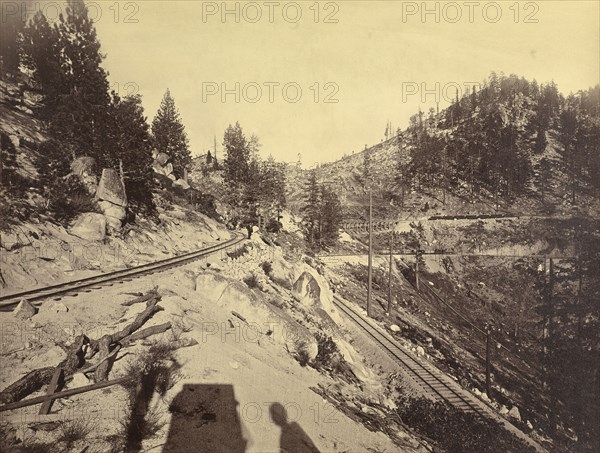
[
  {"x": 488, "y": 363},
  {"x": 71, "y": 392},
  {"x": 370, "y": 271},
  {"x": 389, "y": 307},
  {"x": 417, "y": 270}
]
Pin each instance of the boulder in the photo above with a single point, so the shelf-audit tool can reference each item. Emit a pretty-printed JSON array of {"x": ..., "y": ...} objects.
[
  {"x": 529, "y": 425},
  {"x": 82, "y": 165},
  {"x": 113, "y": 224},
  {"x": 15, "y": 140},
  {"x": 168, "y": 169},
  {"x": 311, "y": 290},
  {"x": 420, "y": 351},
  {"x": 394, "y": 328},
  {"x": 112, "y": 210},
  {"x": 56, "y": 307},
  {"x": 111, "y": 188},
  {"x": 24, "y": 310},
  {"x": 162, "y": 159},
  {"x": 89, "y": 226},
  {"x": 514, "y": 413},
  {"x": 78, "y": 380},
  {"x": 32, "y": 98},
  {"x": 182, "y": 183}
]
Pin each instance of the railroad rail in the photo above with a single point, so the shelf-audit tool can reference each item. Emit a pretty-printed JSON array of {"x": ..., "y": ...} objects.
[
  {"x": 95, "y": 282},
  {"x": 433, "y": 382}
]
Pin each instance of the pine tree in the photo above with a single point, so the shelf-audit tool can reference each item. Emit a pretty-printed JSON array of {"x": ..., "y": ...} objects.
[
  {"x": 133, "y": 149},
  {"x": 331, "y": 218},
  {"x": 10, "y": 32},
  {"x": 312, "y": 212},
  {"x": 237, "y": 155},
  {"x": 81, "y": 119},
  {"x": 42, "y": 56},
  {"x": 169, "y": 135}
]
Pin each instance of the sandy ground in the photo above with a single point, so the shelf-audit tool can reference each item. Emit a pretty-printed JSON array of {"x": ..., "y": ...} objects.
[{"x": 245, "y": 377}]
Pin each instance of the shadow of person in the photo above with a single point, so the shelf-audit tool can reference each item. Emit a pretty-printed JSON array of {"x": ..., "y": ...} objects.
[
  {"x": 205, "y": 419},
  {"x": 293, "y": 438}
]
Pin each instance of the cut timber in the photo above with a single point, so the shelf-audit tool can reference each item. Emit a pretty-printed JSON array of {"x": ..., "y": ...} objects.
[
  {"x": 64, "y": 394},
  {"x": 55, "y": 384}
]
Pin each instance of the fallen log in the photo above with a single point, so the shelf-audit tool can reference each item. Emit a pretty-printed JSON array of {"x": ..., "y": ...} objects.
[
  {"x": 63, "y": 394},
  {"x": 93, "y": 366},
  {"x": 31, "y": 382},
  {"x": 36, "y": 379},
  {"x": 153, "y": 293},
  {"x": 76, "y": 354},
  {"x": 103, "y": 344},
  {"x": 144, "y": 333}
]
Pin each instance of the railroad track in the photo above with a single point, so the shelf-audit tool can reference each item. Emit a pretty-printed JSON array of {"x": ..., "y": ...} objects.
[
  {"x": 432, "y": 381},
  {"x": 88, "y": 284}
]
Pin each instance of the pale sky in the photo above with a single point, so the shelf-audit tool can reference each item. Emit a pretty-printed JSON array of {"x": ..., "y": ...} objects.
[{"x": 371, "y": 56}]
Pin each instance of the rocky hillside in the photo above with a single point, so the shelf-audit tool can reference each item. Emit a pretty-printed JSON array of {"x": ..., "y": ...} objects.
[
  {"x": 439, "y": 166},
  {"x": 100, "y": 235}
]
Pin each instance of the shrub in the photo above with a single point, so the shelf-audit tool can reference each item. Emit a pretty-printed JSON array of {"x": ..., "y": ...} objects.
[
  {"x": 241, "y": 251},
  {"x": 252, "y": 281},
  {"x": 273, "y": 226},
  {"x": 68, "y": 198},
  {"x": 302, "y": 357},
  {"x": 74, "y": 430},
  {"x": 327, "y": 351},
  {"x": 267, "y": 267},
  {"x": 155, "y": 370},
  {"x": 7, "y": 218},
  {"x": 455, "y": 430}
]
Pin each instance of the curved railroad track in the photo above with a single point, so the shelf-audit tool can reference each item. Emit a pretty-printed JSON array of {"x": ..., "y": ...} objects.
[
  {"x": 432, "y": 381},
  {"x": 107, "y": 279}
]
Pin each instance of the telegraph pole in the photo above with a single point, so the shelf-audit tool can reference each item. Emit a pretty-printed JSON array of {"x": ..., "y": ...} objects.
[
  {"x": 389, "y": 307},
  {"x": 370, "y": 271},
  {"x": 488, "y": 362},
  {"x": 417, "y": 269}
]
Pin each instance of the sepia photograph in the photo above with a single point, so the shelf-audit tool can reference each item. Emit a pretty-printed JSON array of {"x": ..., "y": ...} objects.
[{"x": 353, "y": 226}]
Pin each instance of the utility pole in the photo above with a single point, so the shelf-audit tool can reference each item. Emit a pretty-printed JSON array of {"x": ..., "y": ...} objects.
[
  {"x": 488, "y": 362},
  {"x": 389, "y": 307},
  {"x": 417, "y": 270},
  {"x": 370, "y": 271}
]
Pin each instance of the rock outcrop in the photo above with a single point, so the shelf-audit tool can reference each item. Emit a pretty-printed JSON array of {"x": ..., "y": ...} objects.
[
  {"x": 162, "y": 165},
  {"x": 313, "y": 292},
  {"x": 112, "y": 198},
  {"x": 276, "y": 325},
  {"x": 89, "y": 226}
]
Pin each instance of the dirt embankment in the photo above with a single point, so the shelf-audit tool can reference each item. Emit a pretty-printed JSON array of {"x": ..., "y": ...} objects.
[{"x": 250, "y": 363}]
